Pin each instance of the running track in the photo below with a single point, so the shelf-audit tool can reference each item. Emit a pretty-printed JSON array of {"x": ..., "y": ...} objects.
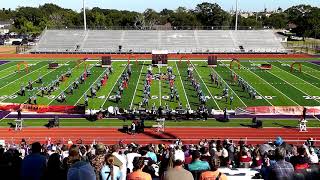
[{"x": 188, "y": 135}]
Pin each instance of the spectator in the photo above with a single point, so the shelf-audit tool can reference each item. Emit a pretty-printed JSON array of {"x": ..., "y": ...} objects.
[
  {"x": 120, "y": 161},
  {"x": 54, "y": 170},
  {"x": 179, "y": 154},
  {"x": 138, "y": 163},
  {"x": 314, "y": 159},
  {"x": 34, "y": 165},
  {"x": 99, "y": 159},
  {"x": 151, "y": 153},
  {"x": 177, "y": 171},
  {"x": 79, "y": 170},
  {"x": 281, "y": 169},
  {"x": 197, "y": 164},
  {"x": 109, "y": 171},
  {"x": 245, "y": 160},
  {"x": 130, "y": 156},
  {"x": 300, "y": 161},
  {"x": 214, "y": 173}
]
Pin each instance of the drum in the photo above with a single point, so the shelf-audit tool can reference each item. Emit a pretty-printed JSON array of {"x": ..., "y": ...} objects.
[
  {"x": 111, "y": 109},
  {"x": 121, "y": 110}
]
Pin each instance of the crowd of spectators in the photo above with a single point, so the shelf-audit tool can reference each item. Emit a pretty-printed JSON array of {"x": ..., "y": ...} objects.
[{"x": 203, "y": 161}]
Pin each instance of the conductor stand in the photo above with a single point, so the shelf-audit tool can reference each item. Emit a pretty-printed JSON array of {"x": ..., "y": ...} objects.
[
  {"x": 303, "y": 125},
  {"x": 160, "y": 124},
  {"x": 19, "y": 124}
]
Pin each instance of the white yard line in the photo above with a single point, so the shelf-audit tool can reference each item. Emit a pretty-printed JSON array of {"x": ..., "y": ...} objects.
[
  {"x": 43, "y": 76},
  {"x": 31, "y": 82},
  {"x": 311, "y": 69},
  {"x": 160, "y": 85},
  {"x": 98, "y": 78},
  {"x": 206, "y": 87},
  {"x": 8, "y": 74},
  {"x": 231, "y": 88},
  {"x": 23, "y": 76},
  {"x": 68, "y": 86},
  {"x": 183, "y": 85},
  {"x": 135, "y": 91},
  {"x": 297, "y": 77},
  {"x": 271, "y": 86},
  {"x": 114, "y": 84},
  {"x": 251, "y": 87},
  {"x": 292, "y": 85}
]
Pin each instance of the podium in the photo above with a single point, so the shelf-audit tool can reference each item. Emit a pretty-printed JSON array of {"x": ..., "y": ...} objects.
[
  {"x": 19, "y": 124},
  {"x": 303, "y": 125}
]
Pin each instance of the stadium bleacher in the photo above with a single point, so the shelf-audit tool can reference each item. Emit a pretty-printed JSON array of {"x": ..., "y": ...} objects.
[{"x": 144, "y": 41}]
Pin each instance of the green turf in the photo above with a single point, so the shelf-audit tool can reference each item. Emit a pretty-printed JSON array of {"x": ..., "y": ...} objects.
[
  {"x": 8, "y": 65},
  {"x": 191, "y": 123},
  {"x": 278, "y": 87},
  {"x": 274, "y": 79},
  {"x": 128, "y": 92},
  {"x": 262, "y": 87},
  {"x": 47, "y": 78},
  {"x": 76, "y": 72},
  {"x": 105, "y": 91}
]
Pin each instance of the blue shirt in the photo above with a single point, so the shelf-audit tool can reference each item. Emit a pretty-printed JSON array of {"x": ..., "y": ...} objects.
[
  {"x": 33, "y": 166},
  {"x": 153, "y": 156},
  {"x": 199, "y": 165}
]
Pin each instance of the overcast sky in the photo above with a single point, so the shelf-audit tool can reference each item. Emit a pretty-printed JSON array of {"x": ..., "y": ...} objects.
[{"x": 141, "y": 5}]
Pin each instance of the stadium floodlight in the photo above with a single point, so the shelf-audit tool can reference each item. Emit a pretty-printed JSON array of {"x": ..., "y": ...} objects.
[
  {"x": 236, "y": 24},
  {"x": 84, "y": 15}
]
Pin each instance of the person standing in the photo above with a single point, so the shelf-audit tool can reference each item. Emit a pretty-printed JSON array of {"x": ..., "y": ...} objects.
[
  {"x": 109, "y": 171},
  {"x": 133, "y": 128},
  {"x": 177, "y": 171},
  {"x": 138, "y": 163},
  {"x": 214, "y": 173},
  {"x": 34, "y": 165}
]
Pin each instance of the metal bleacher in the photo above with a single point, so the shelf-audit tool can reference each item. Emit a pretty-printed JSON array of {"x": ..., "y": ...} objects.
[{"x": 144, "y": 41}]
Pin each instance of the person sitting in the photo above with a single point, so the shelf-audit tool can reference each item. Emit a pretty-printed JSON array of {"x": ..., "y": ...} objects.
[
  {"x": 138, "y": 165},
  {"x": 177, "y": 171},
  {"x": 214, "y": 173},
  {"x": 197, "y": 164},
  {"x": 300, "y": 161},
  {"x": 281, "y": 169}
]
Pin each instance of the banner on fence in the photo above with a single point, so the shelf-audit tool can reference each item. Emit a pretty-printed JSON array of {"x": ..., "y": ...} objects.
[
  {"x": 42, "y": 108},
  {"x": 283, "y": 110}
]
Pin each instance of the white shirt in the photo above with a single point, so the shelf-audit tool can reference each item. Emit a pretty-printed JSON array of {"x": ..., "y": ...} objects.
[
  {"x": 314, "y": 158},
  {"x": 179, "y": 154},
  {"x": 130, "y": 157},
  {"x": 123, "y": 168}
]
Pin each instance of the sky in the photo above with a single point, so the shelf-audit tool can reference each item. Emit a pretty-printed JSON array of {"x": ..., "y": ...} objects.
[{"x": 141, "y": 5}]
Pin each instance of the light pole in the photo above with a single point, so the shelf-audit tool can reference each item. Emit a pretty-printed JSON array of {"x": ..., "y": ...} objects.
[
  {"x": 236, "y": 25},
  {"x": 84, "y": 15}
]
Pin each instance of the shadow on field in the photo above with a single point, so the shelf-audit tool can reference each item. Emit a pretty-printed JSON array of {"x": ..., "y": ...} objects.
[{"x": 284, "y": 126}]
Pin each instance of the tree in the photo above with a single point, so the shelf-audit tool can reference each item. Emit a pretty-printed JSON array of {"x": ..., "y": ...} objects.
[{"x": 212, "y": 15}]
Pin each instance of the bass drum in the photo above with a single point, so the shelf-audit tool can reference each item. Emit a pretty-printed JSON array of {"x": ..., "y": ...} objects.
[{"x": 111, "y": 109}]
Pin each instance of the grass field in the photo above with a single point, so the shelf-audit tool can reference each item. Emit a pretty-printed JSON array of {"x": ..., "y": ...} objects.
[
  {"x": 276, "y": 87},
  {"x": 287, "y": 123}
]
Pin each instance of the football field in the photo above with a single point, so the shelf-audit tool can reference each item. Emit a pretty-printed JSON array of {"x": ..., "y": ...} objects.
[{"x": 276, "y": 87}]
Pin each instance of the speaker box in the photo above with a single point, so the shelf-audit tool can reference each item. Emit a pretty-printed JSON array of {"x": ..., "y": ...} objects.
[
  {"x": 159, "y": 59},
  {"x": 106, "y": 61},
  {"x": 212, "y": 60},
  {"x": 53, "y": 65}
]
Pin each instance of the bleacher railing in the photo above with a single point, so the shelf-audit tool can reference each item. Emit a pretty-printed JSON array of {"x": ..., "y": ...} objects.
[{"x": 160, "y": 27}]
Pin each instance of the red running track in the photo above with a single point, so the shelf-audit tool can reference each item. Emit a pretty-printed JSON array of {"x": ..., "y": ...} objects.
[{"x": 188, "y": 135}]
